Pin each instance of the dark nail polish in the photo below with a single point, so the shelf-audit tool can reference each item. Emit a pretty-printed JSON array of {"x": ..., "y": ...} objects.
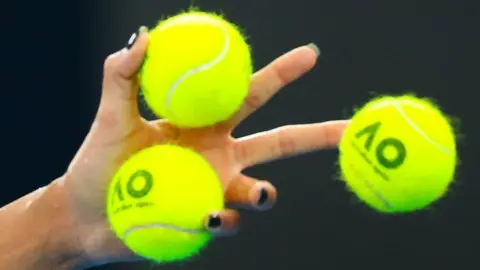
[
  {"x": 214, "y": 222},
  {"x": 315, "y": 48},
  {"x": 133, "y": 38},
  {"x": 263, "y": 198}
]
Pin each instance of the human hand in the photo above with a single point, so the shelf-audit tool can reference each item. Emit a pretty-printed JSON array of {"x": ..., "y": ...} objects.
[{"x": 119, "y": 131}]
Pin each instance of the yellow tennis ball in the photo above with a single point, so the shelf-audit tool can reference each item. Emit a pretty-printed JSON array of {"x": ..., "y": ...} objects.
[
  {"x": 158, "y": 200},
  {"x": 398, "y": 154},
  {"x": 197, "y": 69}
]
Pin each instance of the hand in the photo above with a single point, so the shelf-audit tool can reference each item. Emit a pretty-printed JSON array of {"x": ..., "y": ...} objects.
[{"x": 118, "y": 131}]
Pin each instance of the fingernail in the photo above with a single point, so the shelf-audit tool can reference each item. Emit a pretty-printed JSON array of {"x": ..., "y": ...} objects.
[
  {"x": 214, "y": 222},
  {"x": 263, "y": 197},
  {"x": 315, "y": 48},
  {"x": 134, "y": 36}
]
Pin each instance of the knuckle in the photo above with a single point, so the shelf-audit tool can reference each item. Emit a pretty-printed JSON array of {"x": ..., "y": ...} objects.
[
  {"x": 283, "y": 76},
  {"x": 240, "y": 153},
  {"x": 286, "y": 144},
  {"x": 253, "y": 100},
  {"x": 109, "y": 62},
  {"x": 327, "y": 136}
]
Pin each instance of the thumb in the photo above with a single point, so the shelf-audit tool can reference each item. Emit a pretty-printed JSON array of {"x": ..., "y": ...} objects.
[
  {"x": 120, "y": 83},
  {"x": 134, "y": 52}
]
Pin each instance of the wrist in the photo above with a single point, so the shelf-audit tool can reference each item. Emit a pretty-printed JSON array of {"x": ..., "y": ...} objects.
[
  {"x": 38, "y": 233},
  {"x": 95, "y": 241},
  {"x": 61, "y": 244}
]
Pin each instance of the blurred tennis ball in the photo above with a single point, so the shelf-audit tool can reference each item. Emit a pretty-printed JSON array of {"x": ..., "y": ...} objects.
[
  {"x": 398, "y": 154},
  {"x": 197, "y": 69},
  {"x": 158, "y": 200}
]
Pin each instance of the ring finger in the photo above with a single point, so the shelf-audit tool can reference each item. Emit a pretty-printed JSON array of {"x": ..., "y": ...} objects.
[{"x": 247, "y": 192}]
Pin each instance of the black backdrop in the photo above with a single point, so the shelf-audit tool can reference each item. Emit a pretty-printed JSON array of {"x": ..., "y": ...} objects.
[{"x": 53, "y": 51}]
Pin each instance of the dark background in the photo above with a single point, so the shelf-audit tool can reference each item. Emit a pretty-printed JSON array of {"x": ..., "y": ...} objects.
[{"x": 53, "y": 52}]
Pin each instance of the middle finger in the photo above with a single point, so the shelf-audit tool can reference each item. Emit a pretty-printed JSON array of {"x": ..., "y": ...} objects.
[{"x": 288, "y": 140}]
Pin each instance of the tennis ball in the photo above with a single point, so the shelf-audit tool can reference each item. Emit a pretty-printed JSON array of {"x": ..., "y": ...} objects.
[
  {"x": 158, "y": 200},
  {"x": 398, "y": 154},
  {"x": 197, "y": 70}
]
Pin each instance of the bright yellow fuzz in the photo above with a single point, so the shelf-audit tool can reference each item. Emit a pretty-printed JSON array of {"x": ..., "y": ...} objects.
[
  {"x": 197, "y": 70},
  {"x": 398, "y": 154},
  {"x": 158, "y": 200}
]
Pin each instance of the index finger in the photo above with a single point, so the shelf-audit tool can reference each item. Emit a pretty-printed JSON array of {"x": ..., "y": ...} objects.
[
  {"x": 269, "y": 80},
  {"x": 288, "y": 140}
]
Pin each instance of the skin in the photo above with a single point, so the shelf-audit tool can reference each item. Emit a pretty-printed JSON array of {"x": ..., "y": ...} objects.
[{"x": 70, "y": 229}]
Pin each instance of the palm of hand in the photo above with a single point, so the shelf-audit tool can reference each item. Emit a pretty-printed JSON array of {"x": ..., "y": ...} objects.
[
  {"x": 107, "y": 147},
  {"x": 119, "y": 131}
]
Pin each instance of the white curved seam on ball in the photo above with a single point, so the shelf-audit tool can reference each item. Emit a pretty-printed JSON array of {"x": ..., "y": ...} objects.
[
  {"x": 418, "y": 129},
  {"x": 161, "y": 226},
  {"x": 200, "y": 68},
  {"x": 379, "y": 195}
]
